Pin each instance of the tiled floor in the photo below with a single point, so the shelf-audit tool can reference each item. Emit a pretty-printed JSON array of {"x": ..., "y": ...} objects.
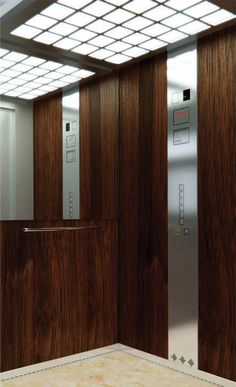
[{"x": 113, "y": 369}]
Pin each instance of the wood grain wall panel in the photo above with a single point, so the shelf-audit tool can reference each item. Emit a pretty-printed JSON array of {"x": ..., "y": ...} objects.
[
  {"x": 109, "y": 102},
  {"x": 48, "y": 158},
  {"x": 102, "y": 319},
  {"x": 143, "y": 207},
  {"x": 99, "y": 145},
  {"x": 59, "y": 291},
  {"x": 217, "y": 210}
]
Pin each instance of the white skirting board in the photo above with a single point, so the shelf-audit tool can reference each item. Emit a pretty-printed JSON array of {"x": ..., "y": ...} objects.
[{"x": 112, "y": 348}]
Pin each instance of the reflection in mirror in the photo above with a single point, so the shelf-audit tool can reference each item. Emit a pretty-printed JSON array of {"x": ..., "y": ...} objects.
[
  {"x": 16, "y": 160},
  {"x": 71, "y": 178}
]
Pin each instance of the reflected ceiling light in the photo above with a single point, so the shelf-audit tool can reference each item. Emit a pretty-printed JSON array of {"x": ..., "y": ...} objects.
[
  {"x": 100, "y": 26},
  {"x": 155, "y": 30},
  {"x": 50, "y": 65},
  {"x": 47, "y": 38},
  {"x": 67, "y": 69},
  {"x": 33, "y": 61},
  {"x": 134, "y": 52},
  {"x": 159, "y": 13},
  {"x": 54, "y": 75},
  {"x": 48, "y": 88},
  {"x": 119, "y": 46},
  {"x": 83, "y": 35},
  {"x": 33, "y": 85},
  {"x": 26, "y": 32},
  {"x": 101, "y": 54},
  {"x": 6, "y": 63},
  {"x": 98, "y": 8},
  {"x": 76, "y": 4},
  {"x": 27, "y": 77},
  {"x": 38, "y": 71},
  {"x": 13, "y": 93},
  {"x": 180, "y": 5},
  {"x": 120, "y": 32},
  {"x": 63, "y": 29},
  {"x": 117, "y": 2},
  {"x": 138, "y": 6},
  {"x": 3, "y": 52},
  {"x": 41, "y": 22},
  {"x": 80, "y": 19},
  {"x": 31, "y": 77},
  {"x": 118, "y": 59},
  {"x": 58, "y": 84},
  {"x": 84, "y": 49},
  {"x": 57, "y": 11},
  {"x": 172, "y": 36},
  {"x": 15, "y": 56},
  {"x": 37, "y": 92},
  {"x": 119, "y": 16},
  {"x": 4, "y": 78},
  {"x": 201, "y": 9},
  {"x": 16, "y": 82},
  {"x": 177, "y": 20},
  {"x": 6, "y": 87},
  {"x": 194, "y": 27},
  {"x": 27, "y": 96},
  {"x": 101, "y": 41},
  {"x": 84, "y": 73},
  {"x": 69, "y": 79},
  {"x": 22, "y": 89},
  {"x": 135, "y": 38},
  {"x": 138, "y": 23},
  {"x": 43, "y": 80},
  {"x": 153, "y": 44},
  {"x": 10, "y": 73},
  {"x": 66, "y": 43},
  {"x": 218, "y": 17}
]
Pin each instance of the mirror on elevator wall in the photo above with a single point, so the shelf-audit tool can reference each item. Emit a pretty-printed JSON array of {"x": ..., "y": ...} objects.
[{"x": 17, "y": 158}]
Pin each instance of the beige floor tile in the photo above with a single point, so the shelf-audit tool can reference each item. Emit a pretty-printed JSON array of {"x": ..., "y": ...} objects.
[{"x": 116, "y": 369}]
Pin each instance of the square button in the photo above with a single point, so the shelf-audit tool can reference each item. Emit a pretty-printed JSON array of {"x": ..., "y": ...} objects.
[{"x": 186, "y": 231}]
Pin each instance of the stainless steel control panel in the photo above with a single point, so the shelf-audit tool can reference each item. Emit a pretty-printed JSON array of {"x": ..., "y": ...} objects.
[
  {"x": 182, "y": 205},
  {"x": 71, "y": 186}
]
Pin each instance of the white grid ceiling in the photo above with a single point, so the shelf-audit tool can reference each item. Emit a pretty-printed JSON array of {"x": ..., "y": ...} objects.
[{"x": 112, "y": 30}]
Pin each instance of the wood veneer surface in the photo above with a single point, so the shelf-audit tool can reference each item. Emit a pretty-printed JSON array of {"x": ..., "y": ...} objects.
[
  {"x": 48, "y": 158},
  {"x": 217, "y": 206},
  {"x": 143, "y": 207},
  {"x": 58, "y": 291},
  {"x": 99, "y": 149}
]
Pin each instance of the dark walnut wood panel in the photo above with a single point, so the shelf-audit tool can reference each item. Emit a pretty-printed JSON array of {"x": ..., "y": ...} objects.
[
  {"x": 59, "y": 291},
  {"x": 48, "y": 158},
  {"x": 99, "y": 148},
  {"x": 143, "y": 207},
  {"x": 217, "y": 208}
]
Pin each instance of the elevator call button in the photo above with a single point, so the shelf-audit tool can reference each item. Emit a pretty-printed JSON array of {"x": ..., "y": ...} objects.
[{"x": 181, "y": 116}]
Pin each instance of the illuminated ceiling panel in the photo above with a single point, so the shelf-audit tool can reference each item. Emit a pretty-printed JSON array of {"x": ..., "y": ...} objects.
[
  {"x": 29, "y": 77},
  {"x": 111, "y": 31}
]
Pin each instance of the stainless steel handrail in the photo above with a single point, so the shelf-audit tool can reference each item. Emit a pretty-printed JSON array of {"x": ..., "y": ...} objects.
[{"x": 57, "y": 229}]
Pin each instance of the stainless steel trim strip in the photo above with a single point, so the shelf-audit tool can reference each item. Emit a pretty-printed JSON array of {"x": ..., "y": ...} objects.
[
  {"x": 58, "y": 229},
  {"x": 182, "y": 206}
]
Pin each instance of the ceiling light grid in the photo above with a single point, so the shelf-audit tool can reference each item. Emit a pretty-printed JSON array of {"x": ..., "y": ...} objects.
[
  {"x": 28, "y": 77},
  {"x": 118, "y": 30}
]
